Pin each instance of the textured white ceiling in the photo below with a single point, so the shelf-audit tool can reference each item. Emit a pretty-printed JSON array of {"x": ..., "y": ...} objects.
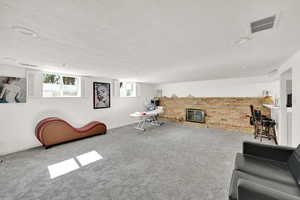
[{"x": 149, "y": 41}]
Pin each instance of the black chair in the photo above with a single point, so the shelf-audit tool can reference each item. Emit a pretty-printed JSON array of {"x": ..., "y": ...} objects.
[
  {"x": 255, "y": 120},
  {"x": 266, "y": 172},
  {"x": 269, "y": 129},
  {"x": 264, "y": 127},
  {"x": 252, "y": 115}
]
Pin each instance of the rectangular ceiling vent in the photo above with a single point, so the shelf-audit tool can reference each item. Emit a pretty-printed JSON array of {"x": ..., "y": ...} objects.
[{"x": 263, "y": 24}]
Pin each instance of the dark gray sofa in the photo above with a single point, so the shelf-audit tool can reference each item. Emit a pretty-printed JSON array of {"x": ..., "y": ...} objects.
[{"x": 266, "y": 172}]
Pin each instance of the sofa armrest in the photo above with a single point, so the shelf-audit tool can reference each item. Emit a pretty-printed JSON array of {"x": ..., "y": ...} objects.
[
  {"x": 278, "y": 153},
  {"x": 248, "y": 190}
]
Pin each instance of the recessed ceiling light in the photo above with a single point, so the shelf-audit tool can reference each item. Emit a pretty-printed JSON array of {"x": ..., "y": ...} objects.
[
  {"x": 24, "y": 31},
  {"x": 242, "y": 40}
]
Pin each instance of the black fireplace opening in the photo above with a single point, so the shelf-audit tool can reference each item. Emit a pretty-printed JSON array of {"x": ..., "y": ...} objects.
[{"x": 195, "y": 115}]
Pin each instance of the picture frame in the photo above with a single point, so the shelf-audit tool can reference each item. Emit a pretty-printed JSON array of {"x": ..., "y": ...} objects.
[
  {"x": 13, "y": 89},
  {"x": 101, "y": 95}
]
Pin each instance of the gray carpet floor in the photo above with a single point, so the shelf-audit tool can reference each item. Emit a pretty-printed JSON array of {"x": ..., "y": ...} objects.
[{"x": 164, "y": 163}]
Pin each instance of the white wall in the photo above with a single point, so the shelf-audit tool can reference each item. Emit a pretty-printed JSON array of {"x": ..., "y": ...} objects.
[
  {"x": 289, "y": 86},
  {"x": 293, "y": 65},
  {"x": 240, "y": 87},
  {"x": 18, "y": 121},
  {"x": 296, "y": 103}
]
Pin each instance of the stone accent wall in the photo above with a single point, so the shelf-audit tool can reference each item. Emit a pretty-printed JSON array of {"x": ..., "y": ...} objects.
[{"x": 230, "y": 114}]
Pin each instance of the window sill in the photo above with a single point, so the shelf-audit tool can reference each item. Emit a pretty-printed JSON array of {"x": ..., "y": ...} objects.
[
  {"x": 61, "y": 97},
  {"x": 128, "y": 97}
]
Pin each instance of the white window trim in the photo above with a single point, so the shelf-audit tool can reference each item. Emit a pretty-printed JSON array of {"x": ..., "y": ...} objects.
[{"x": 61, "y": 85}]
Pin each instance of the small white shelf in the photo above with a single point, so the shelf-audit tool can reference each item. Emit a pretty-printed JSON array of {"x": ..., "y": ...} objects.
[{"x": 271, "y": 106}]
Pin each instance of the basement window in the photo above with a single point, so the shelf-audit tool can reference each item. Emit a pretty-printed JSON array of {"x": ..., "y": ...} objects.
[
  {"x": 59, "y": 85},
  {"x": 127, "y": 89}
]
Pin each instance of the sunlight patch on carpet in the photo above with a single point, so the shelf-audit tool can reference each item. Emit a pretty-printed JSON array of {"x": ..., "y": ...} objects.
[
  {"x": 87, "y": 158},
  {"x": 62, "y": 168}
]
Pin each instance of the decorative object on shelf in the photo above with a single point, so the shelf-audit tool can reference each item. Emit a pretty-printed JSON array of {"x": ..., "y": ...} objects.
[
  {"x": 12, "y": 90},
  {"x": 52, "y": 131},
  {"x": 101, "y": 95},
  {"x": 267, "y": 98}
]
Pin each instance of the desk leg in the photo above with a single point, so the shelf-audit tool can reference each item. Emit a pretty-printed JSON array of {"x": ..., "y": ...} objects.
[
  {"x": 140, "y": 125},
  {"x": 155, "y": 122}
]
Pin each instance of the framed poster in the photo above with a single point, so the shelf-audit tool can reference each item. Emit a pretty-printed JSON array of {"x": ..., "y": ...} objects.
[
  {"x": 12, "y": 89},
  {"x": 101, "y": 95}
]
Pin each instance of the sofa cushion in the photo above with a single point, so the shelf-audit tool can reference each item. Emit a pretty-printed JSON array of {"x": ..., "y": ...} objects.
[
  {"x": 282, "y": 187},
  {"x": 264, "y": 168},
  {"x": 294, "y": 165}
]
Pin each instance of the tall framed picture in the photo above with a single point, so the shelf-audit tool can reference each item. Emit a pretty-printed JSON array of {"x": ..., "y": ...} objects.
[
  {"x": 101, "y": 95},
  {"x": 12, "y": 89}
]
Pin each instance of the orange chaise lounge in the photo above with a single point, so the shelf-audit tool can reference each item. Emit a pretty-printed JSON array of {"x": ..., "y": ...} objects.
[{"x": 52, "y": 131}]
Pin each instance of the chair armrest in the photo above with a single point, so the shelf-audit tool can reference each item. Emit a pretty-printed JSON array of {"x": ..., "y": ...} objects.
[
  {"x": 248, "y": 190},
  {"x": 278, "y": 153}
]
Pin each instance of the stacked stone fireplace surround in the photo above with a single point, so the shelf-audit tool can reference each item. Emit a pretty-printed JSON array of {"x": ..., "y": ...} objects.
[{"x": 230, "y": 114}]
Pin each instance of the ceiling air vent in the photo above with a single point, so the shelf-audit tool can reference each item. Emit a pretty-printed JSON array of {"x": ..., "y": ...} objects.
[{"x": 263, "y": 24}]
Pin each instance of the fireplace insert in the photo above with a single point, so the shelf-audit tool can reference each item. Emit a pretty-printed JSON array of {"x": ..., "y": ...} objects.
[{"x": 195, "y": 115}]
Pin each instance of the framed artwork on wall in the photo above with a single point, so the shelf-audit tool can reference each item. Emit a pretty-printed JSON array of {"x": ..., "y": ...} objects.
[
  {"x": 101, "y": 95},
  {"x": 12, "y": 89}
]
